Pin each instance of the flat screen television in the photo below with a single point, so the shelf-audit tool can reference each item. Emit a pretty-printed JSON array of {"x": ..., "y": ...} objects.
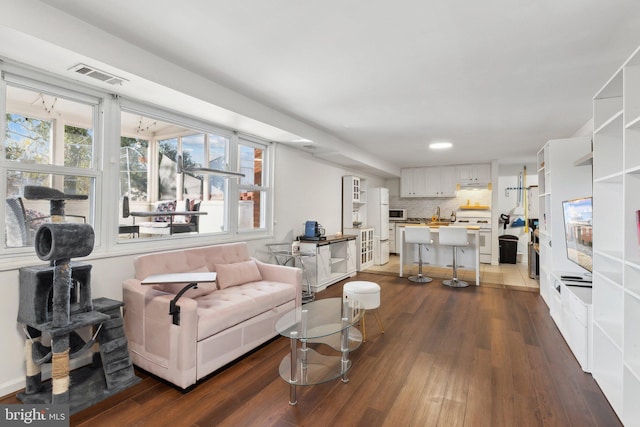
[{"x": 578, "y": 228}]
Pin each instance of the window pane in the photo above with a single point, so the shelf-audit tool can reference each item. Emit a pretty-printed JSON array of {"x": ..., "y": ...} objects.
[
  {"x": 78, "y": 147},
  {"x": 218, "y": 155},
  {"x": 251, "y": 165},
  {"x": 23, "y": 216},
  {"x": 28, "y": 139},
  {"x": 134, "y": 176},
  {"x": 250, "y": 212},
  {"x": 193, "y": 150},
  {"x": 167, "y": 169},
  {"x": 35, "y": 120}
]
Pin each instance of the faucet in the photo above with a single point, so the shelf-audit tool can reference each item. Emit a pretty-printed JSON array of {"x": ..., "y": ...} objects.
[{"x": 437, "y": 215}]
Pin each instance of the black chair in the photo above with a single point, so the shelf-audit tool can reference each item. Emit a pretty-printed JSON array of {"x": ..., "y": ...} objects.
[
  {"x": 193, "y": 226},
  {"x": 131, "y": 229}
]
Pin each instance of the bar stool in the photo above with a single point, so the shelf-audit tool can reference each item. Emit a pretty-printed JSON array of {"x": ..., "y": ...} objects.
[
  {"x": 457, "y": 238},
  {"x": 420, "y": 236}
]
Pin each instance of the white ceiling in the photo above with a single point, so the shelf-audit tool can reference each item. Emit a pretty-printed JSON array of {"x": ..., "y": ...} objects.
[{"x": 498, "y": 78}]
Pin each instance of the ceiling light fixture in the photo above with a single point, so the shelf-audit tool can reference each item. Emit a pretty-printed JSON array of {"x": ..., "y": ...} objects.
[{"x": 440, "y": 145}]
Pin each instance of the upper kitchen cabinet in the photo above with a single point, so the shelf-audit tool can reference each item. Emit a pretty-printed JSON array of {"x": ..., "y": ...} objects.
[
  {"x": 473, "y": 174},
  {"x": 413, "y": 182},
  {"x": 354, "y": 199},
  {"x": 428, "y": 182},
  {"x": 441, "y": 181},
  {"x": 355, "y": 189}
]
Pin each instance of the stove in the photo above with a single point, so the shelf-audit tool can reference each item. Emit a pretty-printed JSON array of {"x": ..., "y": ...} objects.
[{"x": 481, "y": 219}]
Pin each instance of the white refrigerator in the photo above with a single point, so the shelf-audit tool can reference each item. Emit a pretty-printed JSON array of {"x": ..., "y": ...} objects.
[{"x": 378, "y": 218}]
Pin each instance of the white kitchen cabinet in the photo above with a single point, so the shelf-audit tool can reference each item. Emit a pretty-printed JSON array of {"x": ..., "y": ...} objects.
[
  {"x": 616, "y": 240},
  {"x": 354, "y": 201},
  {"x": 576, "y": 325},
  {"x": 334, "y": 259},
  {"x": 365, "y": 247},
  {"x": 413, "y": 182},
  {"x": 473, "y": 174},
  {"x": 352, "y": 257},
  {"x": 441, "y": 181},
  {"x": 437, "y": 181}
]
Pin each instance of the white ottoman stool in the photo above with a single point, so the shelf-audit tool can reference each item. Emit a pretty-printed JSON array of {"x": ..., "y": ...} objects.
[{"x": 368, "y": 296}]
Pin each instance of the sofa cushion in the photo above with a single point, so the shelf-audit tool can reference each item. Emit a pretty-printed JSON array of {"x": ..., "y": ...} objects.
[
  {"x": 169, "y": 206},
  {"x": 237, "y": 273},
  {"x": 202, "y": 289},
  {"x": 223, "y": 309}
]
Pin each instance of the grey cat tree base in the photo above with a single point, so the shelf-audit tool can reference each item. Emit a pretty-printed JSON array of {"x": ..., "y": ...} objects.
[{"x": 56, "y": 300}]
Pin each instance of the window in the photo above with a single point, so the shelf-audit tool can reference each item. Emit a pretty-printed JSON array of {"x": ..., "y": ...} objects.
[
  {"x": 185, "y": 154},
  {"x": 48, "y": 142},
  {"x": 164, "y": 162},
  {"x": 252, "y": 189}
]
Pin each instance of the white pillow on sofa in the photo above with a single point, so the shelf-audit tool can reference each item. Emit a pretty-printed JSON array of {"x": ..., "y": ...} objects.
[
  {"x": 237, "y": 273},
  {"x": 202, "y": 289}
]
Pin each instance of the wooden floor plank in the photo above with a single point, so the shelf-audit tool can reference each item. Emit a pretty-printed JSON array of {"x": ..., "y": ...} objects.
[{"x": 478, "y": 356}]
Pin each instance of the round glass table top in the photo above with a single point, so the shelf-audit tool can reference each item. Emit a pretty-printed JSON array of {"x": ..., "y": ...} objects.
[{"x": 318, "y": 319}]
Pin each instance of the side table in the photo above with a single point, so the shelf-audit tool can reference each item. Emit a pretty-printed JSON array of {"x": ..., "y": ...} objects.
[{"x": 324, "y": 322}]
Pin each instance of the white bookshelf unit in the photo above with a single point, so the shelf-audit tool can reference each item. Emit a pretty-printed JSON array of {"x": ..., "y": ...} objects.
[
  {"x": 616, "y": 240},
  {"x": 558, "y": 180},
  {"x": 561, "y": 177}
]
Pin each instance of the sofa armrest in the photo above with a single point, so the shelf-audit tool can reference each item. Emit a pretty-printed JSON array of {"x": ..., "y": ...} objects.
[
  {"x": 284, "y": 274},
  {"x": 158, "y": 345}
]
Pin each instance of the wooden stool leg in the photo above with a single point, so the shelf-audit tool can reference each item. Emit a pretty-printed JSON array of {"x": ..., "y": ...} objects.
[
  {"x": 364, "y": 328},
  {"x": 379, "y": 319}
]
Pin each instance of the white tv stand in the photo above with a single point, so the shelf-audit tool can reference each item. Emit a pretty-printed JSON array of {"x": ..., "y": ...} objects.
[{"x": 572, "y": 311}]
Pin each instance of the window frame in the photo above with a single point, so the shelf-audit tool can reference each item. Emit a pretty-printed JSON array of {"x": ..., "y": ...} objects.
[
  {"x": 232, "y": 231},
  {"x": 42, "y": 84}
]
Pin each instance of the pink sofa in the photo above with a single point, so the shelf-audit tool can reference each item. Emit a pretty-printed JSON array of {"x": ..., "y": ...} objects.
[{"x": 218, "y": 322}]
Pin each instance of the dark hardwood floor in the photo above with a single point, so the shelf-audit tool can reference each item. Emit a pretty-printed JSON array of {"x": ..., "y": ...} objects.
[{"x": 473, "y": 357}]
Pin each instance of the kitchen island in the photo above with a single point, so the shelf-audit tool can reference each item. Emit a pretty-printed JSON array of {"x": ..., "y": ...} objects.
[{"x": 441, "y": 256}]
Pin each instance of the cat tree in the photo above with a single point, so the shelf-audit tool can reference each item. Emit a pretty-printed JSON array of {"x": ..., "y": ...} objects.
[{"x": 55, "y": 301}]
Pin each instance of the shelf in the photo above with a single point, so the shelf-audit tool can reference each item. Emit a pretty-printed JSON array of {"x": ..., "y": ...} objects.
[
  {"x": 475, "y": 207},
  {"x": 611, "y": 126},
  {"x": 633, "y": 124},
  {"x": 613, "y": 178},
  {"x": 585, "y": 160}
]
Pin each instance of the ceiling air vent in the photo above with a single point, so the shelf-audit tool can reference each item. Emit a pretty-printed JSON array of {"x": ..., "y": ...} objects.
[{"x": 94, "y": 73}]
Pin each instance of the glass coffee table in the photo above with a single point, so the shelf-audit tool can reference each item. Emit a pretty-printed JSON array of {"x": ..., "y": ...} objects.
[{"x": 327, "y": 322}]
